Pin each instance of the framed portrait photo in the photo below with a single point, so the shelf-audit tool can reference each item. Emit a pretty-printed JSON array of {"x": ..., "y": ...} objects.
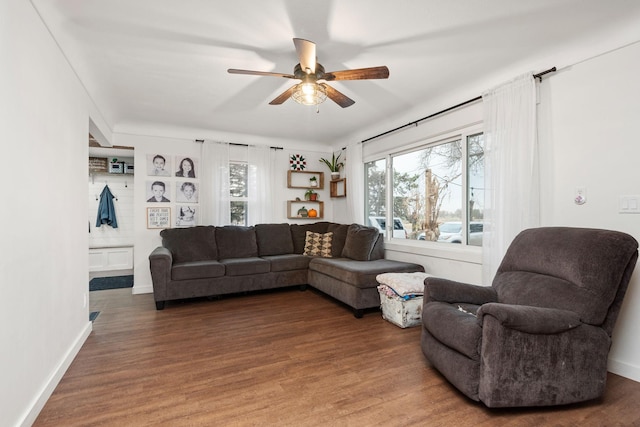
[
  {"x": 186, "y": 192},
  {"x": 158, "y": 191},
  {"x": 159, "y": 165},
  {"x": 158, "y": 217},
  {"x": 186, "y": 167},
  {"x": 186, "y": 216}
]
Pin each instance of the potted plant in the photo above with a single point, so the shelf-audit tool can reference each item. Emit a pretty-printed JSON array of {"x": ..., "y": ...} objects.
[
  {"x": 310, "y": 194},
  {"x": 313, "y": 181},
  {"x": 334, "y": 165}
]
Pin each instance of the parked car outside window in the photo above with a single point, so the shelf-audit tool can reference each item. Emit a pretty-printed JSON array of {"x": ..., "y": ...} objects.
[
  {"x": 380, "y": 223},
  {"x": 451, "y": 232}
]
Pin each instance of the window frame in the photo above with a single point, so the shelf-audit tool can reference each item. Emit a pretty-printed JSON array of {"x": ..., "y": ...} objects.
[
  {"x": 242, "y": 199},
  {"x": 462, "y": 252}
]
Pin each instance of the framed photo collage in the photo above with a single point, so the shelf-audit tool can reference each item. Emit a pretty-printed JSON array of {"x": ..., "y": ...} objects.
[{"x": 172, "y": 184}]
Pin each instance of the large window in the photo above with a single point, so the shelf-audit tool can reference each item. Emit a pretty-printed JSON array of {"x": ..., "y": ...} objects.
[
  {"x": 437, "y": 191},
  {"x": 238, "y": 192},
  {"x": 375, "y": 183}
]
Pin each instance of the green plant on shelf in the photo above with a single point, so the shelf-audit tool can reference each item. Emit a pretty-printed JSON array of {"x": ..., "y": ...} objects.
[{"x": 334, "y": 164}]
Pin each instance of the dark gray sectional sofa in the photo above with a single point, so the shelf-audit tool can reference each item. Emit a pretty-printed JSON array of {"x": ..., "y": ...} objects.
[{"x": 208, "y": 261}]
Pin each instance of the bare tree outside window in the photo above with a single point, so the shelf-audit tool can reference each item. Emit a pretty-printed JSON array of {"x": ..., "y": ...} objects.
[
  {"x": 437, "y": 187},
  {"x": 238, "y": 178},
  {"x": 375, "y": 182}
]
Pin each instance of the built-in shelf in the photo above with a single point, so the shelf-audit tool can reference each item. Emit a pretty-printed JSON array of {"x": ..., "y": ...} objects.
[{"x": 294, "y": 205}]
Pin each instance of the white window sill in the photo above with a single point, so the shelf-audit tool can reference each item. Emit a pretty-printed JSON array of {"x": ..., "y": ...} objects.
[{"x": 451, "y": 251}]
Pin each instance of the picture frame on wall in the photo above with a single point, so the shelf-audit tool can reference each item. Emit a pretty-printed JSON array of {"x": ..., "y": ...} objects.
[
  {"x": 159, "y": 217},
  {"x": 158, "y": 165},
  {"x": 186, "y": 192},
  {"x": 186, "y": 167},
  {"x": 157, "y": 191},
  {"x": 186, "y": 216}
]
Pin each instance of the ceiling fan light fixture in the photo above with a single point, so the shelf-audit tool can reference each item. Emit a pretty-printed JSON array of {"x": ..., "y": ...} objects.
[{"x": 309, "y": 93}]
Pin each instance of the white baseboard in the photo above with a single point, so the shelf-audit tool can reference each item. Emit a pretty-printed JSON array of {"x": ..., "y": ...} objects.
[
  {"x": 142, "y": 289},
  {"x": 624, "y": 370},
  {"x": 55, "y": 377}
]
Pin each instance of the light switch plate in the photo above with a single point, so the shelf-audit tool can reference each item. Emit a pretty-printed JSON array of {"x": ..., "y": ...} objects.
[{"x": 629, "y": 204}]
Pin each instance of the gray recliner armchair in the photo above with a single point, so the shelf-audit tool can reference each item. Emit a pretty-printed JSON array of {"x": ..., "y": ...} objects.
[{"x": 540, "y": 334}]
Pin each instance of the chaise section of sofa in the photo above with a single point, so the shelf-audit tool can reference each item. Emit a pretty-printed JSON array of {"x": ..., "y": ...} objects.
[
  {"x": 349, "y": 275},
  {"x": 338, "y": 259}
]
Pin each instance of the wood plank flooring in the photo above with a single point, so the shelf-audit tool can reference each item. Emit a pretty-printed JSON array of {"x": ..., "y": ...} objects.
[{"x": 285, "y": 358}]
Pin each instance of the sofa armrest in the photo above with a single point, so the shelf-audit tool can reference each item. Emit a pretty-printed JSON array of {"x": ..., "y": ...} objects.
[
  {"x": 443, "y": 290},
  {"x": 531, "y": 320},
  {"x": 160, "y": 262}
]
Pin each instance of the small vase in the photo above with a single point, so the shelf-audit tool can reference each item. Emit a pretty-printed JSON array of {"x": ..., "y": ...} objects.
[{"x": 335, "y": 176}]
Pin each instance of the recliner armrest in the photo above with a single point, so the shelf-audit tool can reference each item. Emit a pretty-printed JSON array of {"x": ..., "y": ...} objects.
[
  {"x": 531, "y": 320},
  {"x": 443, "y": 290}
]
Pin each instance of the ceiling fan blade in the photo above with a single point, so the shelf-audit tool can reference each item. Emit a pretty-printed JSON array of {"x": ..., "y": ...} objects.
[
  {"x": 306, "y": 54},
  {"x": 260, "y": 73},
  {"x": 338, "y": 97},
  {"x": 358, "y": 74},
  {"x": 283, "y": 96}
]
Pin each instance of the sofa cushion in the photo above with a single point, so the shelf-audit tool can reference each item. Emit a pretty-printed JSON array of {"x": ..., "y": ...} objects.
[
  {"x": 299, "y": 233},
  {"x": 190, "y": 244},
  {"x": 378, "y": 248},
  {"x": 196, "y": 270},
  {"x": 236, "y": 242},
  {"x": 318, "y": 244},
  {"x": 339, "y": 238},
  {"x": 361, "y": 274},
  {"x": 245, "y": 266},
  {"x": 360, "y": 242},
  {"x": 274, "y": 239},
  {"x": 288, "y": 262}
]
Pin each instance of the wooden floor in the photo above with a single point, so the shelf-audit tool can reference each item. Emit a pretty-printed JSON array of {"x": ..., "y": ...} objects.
[{"x": 285, "y": 358}]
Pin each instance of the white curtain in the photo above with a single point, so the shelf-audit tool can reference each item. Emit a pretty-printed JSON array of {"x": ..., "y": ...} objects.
[
  {"x": 214, "y": 184},
  {"x": 512, "y": 197},
  {"x": 354, "y": 172},
  {"x": 261, "y": 170}
]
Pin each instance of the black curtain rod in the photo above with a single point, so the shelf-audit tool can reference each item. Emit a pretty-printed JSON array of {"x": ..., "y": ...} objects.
[
  {"x": 477, "y": 98},
  {"x": 415, "y": 123},
  {"x": 241, "y": 145}
]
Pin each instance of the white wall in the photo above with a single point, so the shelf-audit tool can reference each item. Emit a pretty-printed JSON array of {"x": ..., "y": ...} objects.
[
  {"x": 44, "y": 125},
  {"x": 589, "y": 114},
  {"x": 587, "y": 126}
]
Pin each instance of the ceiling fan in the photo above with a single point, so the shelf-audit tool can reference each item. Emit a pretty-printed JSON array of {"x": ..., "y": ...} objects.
[{"x": 313, "y": 89}]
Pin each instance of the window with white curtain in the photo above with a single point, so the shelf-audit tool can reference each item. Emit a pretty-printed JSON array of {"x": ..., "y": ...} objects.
[
  {"x": 238, "y": 193},
  {"x": 435, "y": 191}
]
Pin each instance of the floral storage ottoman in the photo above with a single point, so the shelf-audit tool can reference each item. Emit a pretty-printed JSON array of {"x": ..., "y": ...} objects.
[{"x": 401, "y": 297}]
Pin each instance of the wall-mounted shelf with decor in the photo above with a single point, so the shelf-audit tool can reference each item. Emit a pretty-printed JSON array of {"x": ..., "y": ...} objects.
[
  {"x": 338, "y": 188},
  {"x": 294, "y": 205},
  {"x": 300, "y": 179}
]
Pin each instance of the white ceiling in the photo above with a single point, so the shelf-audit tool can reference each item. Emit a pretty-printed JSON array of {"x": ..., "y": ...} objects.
[{"x": 163, "y": 63}]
